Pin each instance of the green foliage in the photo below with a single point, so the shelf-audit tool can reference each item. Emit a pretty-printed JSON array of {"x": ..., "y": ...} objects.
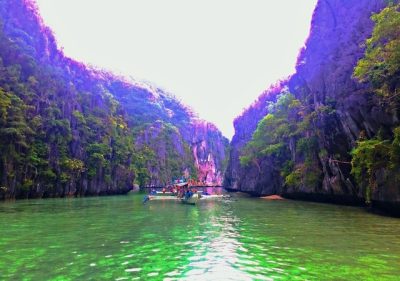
[
  {"x": 54, "y": 130},
  {"x": 273, "y": 149},
  {"x": 287, "y": 168},
  {"x": 49, "y": 175},
  {"x": 5, "y": 103},
  {"x": 307, "y": 146},
  {"x": 307, "y": 173},
  {"x": 79, "y": 117},
  {"x": 294, "y": 178},
  {"x": 312, "y": 173},
  {"x": 74, "y": 165},
  {"x": 370, "y": 156},
  {"x": 273, "y": 131},
  {"x": 165, "y": 154},
  {"x": 62, "y": 124},
  {"x": 381, "y": 63},
  {"x": 287, "y": 130},
  {"x": 27, "y": 184},
  {"x": 323, "y": 153},
  {"x": 380, "y": 66},
  {"x": 395, "y": 152},
  {"x": 245, "y": 160},
  {"x": 143, "y": 160}
]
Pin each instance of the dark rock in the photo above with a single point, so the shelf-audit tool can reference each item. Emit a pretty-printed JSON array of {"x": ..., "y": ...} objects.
[
  {"x": 90, "y": 124},
  {"x": 324, "y": 77}
]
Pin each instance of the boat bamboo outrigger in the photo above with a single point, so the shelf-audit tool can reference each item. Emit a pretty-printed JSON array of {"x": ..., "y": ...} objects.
[{"x": 180, "y": 192}]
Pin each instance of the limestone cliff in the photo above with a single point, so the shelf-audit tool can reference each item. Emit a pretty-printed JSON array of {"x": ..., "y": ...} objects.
[
  {"x": 67, "y": 129},
  {"x": 342, "y": 109}
]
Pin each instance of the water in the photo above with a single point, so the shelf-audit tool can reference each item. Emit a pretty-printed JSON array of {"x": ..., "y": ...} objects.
[{"x": 119, "y": 238}]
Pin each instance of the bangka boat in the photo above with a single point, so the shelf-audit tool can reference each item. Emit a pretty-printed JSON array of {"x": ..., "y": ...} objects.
[
  {"x": 192, "y": 200},
  {"x": 164, "y": 193}
]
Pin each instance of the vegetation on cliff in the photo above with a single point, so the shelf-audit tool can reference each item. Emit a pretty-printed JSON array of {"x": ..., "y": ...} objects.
[
  {"x": 381, "y": 64},
  {"x": 55, "y": 133},
  {"x": 285, "y": 135},
  {"x": 303, "y": 135},
  {"x": 69, "y": 130},
  {"x": 380, "y": 68}
]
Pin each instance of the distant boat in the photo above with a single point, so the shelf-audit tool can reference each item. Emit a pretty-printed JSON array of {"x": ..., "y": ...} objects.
[
  {"x": 192, "y": 200},
  {"x": 164, "y": 193},
  {"x": 181, "y": 184}
]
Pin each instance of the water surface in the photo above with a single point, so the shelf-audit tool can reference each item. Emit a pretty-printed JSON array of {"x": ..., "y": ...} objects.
[{"x": 119, "y": 238}]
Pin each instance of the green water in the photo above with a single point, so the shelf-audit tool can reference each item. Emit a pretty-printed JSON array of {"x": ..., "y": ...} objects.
[{"x": 119, "y": 238}]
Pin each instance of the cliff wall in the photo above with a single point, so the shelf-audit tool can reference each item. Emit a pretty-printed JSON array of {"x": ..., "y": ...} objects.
[
  {"x": 67, "y": 129},
  {"x": 339, "y": 110}
]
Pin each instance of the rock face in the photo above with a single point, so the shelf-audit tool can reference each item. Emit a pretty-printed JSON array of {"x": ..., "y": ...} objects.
[
  {"x": 210, "y": 153},
  {"x": 249, "y": 179},
  {"x": 70, "y": 130},
  {"x": 323, "y": 78},
  {"x": 176, "y": 141},
  {"x": 197, "y": 151}
]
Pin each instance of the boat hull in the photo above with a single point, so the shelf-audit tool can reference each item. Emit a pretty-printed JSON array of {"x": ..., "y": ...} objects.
[{"x": 193, "y": 200}]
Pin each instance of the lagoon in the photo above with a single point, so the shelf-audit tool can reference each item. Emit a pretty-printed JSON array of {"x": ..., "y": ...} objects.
[{"x": 236, "y": 238}]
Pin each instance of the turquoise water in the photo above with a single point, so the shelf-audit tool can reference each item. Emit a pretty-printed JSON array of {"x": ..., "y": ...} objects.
[{"x": 119, "y": 238}]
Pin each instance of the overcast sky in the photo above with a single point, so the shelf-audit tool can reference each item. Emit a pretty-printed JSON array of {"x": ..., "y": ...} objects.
[{"x": 217, "y": 56}]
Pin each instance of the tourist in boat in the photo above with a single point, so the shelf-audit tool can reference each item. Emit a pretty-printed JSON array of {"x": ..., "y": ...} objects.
[
  {"x": 145, "y": 199},
  {"x": 188, "y": 194},
  {"x": 180, "y": 192}
]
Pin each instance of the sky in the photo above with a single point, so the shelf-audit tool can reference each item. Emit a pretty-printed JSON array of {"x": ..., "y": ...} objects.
[{"x": 216, "y": 56}]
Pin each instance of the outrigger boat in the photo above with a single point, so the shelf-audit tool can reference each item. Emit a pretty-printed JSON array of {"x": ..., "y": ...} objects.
[
  {"x": 189, "y": 198},
  {"x": 180, "y": 191}
]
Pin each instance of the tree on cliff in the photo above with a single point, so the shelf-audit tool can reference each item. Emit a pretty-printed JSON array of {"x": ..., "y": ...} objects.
[
  {"x": 380, "y": 67},
  {"x": 381, "y": 64}
]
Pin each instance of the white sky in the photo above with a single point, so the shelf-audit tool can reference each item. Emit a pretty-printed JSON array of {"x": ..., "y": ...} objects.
[{"x": 217, "y": 56}]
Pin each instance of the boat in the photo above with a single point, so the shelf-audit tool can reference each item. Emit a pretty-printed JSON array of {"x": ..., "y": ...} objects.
[
  {"x": 166, "y": 197},
  {"x": 212, "y": 196},
  {"x": 180, "y": 184},
  {"x": 164, "y": 193},
  {"x": 192, "y": 200},
  {"x": 181, "y": 192}
]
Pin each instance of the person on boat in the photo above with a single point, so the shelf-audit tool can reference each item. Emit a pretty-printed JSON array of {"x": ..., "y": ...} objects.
[
  {"x": 188, "y": 194},
  {"x": 146, "y": 198},
  {"x": 180, "y": 192}
]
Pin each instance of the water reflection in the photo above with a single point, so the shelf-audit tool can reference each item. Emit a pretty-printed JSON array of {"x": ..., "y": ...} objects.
[{"x": 215, "y": 257}]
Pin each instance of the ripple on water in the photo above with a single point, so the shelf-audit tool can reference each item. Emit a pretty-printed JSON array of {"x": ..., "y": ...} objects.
[
  {"x": 135, "y": 269},
  {"x": 209, "y": 242},
  {"x": 172, "y": 273}
]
